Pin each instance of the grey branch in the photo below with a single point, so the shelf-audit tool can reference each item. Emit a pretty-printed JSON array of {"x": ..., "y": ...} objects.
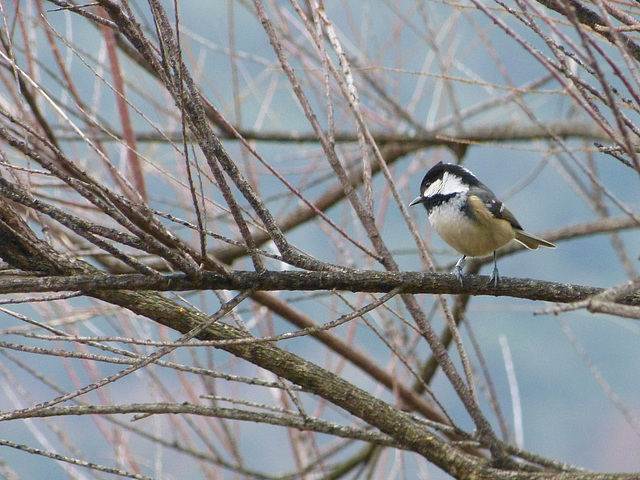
[{"x": 350, "y": 280}]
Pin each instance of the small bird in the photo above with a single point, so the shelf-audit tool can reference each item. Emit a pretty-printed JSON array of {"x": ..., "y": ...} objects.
[{"x": 469, "y": 217}]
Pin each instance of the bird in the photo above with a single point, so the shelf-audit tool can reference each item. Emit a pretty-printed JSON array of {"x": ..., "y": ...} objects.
[{"x": 468, "y": 216}]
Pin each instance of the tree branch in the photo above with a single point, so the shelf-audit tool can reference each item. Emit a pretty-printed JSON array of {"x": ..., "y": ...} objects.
[{"x": 352, "y": 281}]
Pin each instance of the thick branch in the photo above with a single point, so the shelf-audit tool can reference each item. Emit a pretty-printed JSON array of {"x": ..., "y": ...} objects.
[{"x": 352, "y": 281}]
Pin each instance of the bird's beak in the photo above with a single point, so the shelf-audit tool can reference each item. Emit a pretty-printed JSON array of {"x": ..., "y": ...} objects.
[{"x": 416, "y": 201}]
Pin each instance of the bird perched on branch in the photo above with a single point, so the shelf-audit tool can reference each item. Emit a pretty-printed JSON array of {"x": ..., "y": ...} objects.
[{"x": 469, "y": 217}]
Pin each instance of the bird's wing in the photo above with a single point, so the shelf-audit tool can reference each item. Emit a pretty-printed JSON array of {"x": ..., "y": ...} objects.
[{"x": 496, "y": 207}]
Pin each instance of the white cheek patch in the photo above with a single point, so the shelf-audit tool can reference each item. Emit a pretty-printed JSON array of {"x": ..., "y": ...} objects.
[
  {"x": 432, "y": 189},
  {"x": 447, "y": 185}
]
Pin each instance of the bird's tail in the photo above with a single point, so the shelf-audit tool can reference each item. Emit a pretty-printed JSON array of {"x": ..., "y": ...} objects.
[{"x": 531, "y": 241}]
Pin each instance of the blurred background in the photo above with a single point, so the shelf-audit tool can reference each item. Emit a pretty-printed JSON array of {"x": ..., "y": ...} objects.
[{"x": 520, "y": 94}]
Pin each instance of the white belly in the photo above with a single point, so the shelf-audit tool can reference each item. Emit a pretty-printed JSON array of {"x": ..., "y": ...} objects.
[{"x": 472, "y": 238}]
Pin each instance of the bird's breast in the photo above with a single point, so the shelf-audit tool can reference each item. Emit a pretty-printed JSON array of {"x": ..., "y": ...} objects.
[{"x": 475, "y": 237}]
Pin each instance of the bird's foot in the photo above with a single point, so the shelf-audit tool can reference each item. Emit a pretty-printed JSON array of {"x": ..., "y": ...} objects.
[
  {"x": 458, "y": 269},
  {"x": 495, "y": 278},
  {"x": 458, "y": 273}
]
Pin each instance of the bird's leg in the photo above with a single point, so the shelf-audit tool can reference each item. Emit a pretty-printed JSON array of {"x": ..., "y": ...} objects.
[
  {"x": 458, "y": 268},
  {"x": 495, "y": 276}
]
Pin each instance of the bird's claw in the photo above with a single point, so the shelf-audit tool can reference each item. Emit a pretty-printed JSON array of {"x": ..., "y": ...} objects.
[
  {"x": 495, "y": 278},
  {"x": 458, "y": 269}
]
